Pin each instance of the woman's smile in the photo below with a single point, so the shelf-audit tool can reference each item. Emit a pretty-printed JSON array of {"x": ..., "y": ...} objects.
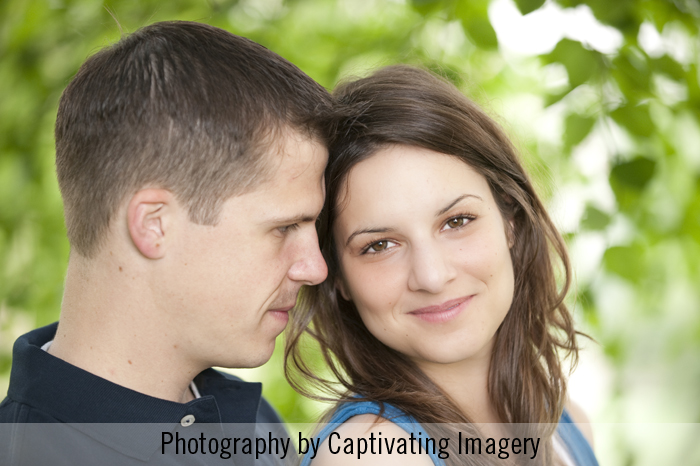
[{"x": 444, "y": 312}]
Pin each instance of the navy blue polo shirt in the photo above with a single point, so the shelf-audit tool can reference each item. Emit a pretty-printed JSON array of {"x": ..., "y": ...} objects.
[{"x": 45, "y": 389}]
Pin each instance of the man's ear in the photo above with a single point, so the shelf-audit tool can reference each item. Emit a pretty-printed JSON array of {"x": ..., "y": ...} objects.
[{"x": 148, "y": 218}]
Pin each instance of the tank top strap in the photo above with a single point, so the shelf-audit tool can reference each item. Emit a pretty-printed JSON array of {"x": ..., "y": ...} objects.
[
  {"x": 356, "y": 408},
  {"x": 578, "y": 447},
  {"x": 576, "y": 444}
]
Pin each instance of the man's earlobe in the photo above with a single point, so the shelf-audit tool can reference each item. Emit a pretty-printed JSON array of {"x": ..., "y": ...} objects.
[{"x": 148, "y": 220}]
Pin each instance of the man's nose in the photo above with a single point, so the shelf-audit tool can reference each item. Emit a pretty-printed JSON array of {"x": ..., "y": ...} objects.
[{"x": 309, "y": 266}]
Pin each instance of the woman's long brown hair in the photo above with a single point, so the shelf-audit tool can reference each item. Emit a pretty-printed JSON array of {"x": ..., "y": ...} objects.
[{"x": 408, "y": 106}]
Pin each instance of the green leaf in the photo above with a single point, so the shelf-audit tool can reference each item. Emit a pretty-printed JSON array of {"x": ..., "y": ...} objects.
[
  {"x": 580, "y": 63},
  {"x": 628, "y": 180},
  {"x": 626, "y": 261},
  {"x": 577, "y": 128},
  {"x": 475, "y": 21},
  {"x": 635, "y": 119},
  {"x": 692, "y": 80},
  {"x": 619, "y": 14},
  {"x": 614, "y": 350},
  {"x": 631, "y": 70},
  {"x": 481, "y": 32},
  {"x": 634, "y": 174},
  {"x": 594, "y": 219},
  {"x": 528, "y": 6},
  {"x": 691, "y": 221},
  {"x": 668, "y": 66},
  {"x": 586, "y": 299},
  {"x": 552, "y": 99},
  {"x": 425, "y": 7}
]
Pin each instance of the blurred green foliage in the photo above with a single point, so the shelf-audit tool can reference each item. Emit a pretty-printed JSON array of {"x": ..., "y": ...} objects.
[{"x": 626, "y": 134}]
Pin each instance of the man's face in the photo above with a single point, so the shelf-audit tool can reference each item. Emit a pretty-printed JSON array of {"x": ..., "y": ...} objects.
[{"x": 231, "y": 285}]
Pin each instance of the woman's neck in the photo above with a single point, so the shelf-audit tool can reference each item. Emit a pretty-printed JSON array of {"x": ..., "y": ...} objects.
[{"x": 466, "y": 383}]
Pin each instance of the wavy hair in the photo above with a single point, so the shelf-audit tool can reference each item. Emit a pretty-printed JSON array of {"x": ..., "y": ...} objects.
[{"x": 401, "y": 105}]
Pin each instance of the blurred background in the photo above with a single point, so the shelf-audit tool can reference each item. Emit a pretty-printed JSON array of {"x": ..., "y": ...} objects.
[{"x": 602, "y": 98}]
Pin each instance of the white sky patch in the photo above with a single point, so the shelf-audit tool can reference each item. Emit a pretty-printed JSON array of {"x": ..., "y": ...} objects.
[
  {"x": 263, "y": 9},
  {"x": 539, "y": 31},
  {"x": 567, "y": 206},
  {"x": 678, "y": 44},
  {"x": 592, "y": 383},
  {"x": 586, "y": 252},
  {"x": 687, "y": 139},
  {"x": 650, "y": 40},
  {"x": 592, "y": 155},
  {"x": 674, "y": 41},
  {"x": 620, "y": 232}
]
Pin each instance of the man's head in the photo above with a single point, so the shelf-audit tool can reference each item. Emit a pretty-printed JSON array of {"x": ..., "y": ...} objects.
[
  {"x": 191, "y": 162},
  {"x": 182, "y": 106}
]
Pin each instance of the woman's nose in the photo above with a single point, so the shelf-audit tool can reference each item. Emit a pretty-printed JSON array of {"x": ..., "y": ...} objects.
[{"x": 431, "y": 269}]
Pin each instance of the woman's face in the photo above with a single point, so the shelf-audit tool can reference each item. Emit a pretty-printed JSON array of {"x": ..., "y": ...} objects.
[{"x": 424, "y": 254}]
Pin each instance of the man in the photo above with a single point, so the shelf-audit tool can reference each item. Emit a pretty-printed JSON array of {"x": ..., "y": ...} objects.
[{"x": 190, "y": 162}]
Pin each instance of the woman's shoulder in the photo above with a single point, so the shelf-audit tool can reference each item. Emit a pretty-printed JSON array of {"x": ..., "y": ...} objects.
[
  {"x": 576, "y": 434},
  {"x": 579, "y": 417},
  {"x": 365, "y": 433},
  {"x": 357, "y": 432},
  {"x": 351, "y": 408}
]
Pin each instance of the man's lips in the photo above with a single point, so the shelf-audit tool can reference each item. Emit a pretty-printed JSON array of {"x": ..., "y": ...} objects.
[
  {"x": 281, "y": 313},
  {"x": 283, "y": 309},
  {"x": 442, "y": 312}
]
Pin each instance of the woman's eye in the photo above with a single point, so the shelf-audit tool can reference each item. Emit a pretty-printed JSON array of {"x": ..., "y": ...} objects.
[
  {"x": 456, "y": 222},
  {"x": 378, "y": 246}
]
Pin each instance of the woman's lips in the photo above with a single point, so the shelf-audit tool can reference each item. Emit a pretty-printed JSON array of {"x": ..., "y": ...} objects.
[{"x": 443, "y": 312}]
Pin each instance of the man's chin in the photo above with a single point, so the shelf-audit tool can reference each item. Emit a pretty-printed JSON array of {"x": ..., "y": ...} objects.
[{"x": 251, "y": 361}]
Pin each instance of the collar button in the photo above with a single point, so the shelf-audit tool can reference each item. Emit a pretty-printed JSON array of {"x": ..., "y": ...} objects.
[{"x": 187, "y": 420}]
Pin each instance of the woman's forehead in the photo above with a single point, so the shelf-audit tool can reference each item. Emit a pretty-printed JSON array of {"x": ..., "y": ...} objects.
[
  {"x": 408, "y": 171},
  {"x": 405, "y": 184}
]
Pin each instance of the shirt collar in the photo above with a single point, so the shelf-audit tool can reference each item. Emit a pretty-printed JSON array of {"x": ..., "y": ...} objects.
[{"x": 72, "y": 395}]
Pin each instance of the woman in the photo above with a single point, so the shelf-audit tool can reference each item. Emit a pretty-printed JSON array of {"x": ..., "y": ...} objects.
[{"x": 441, "y": 305}]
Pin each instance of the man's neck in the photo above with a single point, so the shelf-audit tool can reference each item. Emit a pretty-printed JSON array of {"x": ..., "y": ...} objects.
[{"x": 115, "y": 331}]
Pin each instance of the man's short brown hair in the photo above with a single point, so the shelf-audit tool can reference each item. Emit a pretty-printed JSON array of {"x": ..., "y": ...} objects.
[{"x": 183, "y": 106}]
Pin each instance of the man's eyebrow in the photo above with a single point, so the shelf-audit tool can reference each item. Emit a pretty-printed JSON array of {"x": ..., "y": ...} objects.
[
  {"x": 455, "y": 202},
  {"x": 300, "y": 218},
  {"x": 367, "y": 230}
]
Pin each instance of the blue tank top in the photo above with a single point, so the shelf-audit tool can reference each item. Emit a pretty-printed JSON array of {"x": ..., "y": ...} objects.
[{"x": 576, "y": 444}]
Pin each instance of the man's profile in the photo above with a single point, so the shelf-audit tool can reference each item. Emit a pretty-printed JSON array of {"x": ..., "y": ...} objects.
[{"x": 190, "y": 162}]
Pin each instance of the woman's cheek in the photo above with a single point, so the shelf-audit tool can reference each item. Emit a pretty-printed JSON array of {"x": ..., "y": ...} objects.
[{"x": 374, "y": 287}]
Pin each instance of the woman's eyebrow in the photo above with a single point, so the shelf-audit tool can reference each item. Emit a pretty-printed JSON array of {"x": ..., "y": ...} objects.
[
  {"x": 455, "y": 202},
  {"x": 367, "y": 230}
]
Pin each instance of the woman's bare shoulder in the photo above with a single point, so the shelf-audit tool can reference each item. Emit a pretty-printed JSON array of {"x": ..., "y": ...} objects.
[{"x": 356, "y": 433}]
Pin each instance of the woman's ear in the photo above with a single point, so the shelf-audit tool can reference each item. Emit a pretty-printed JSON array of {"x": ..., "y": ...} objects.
[
  {"x": 509, "y": 209},
  {"x": 148, "y": 219},
  {"x": 510, "y": 233},
  {"x": 342, "y": 288}
]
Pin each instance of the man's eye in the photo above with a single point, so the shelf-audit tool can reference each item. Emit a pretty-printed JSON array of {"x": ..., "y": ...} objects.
[{"x": 288, "y": 228}]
